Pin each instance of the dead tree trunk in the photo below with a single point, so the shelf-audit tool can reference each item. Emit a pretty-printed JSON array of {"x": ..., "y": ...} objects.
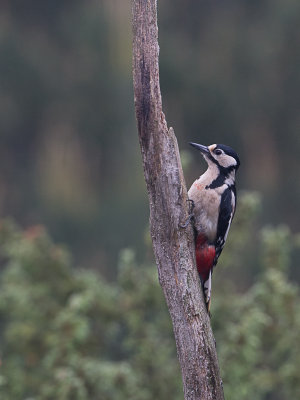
[{"x": 173, "y": 246}]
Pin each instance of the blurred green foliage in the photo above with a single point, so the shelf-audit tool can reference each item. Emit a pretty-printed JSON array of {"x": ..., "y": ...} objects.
[{"x": 67, "y": 334}]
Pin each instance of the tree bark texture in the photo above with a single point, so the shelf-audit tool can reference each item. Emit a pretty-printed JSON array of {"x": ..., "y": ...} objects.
[{"x": 173, "y": 246}]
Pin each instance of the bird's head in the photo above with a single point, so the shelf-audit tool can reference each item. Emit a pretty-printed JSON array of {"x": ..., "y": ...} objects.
[{"x": 221, "y": 155}]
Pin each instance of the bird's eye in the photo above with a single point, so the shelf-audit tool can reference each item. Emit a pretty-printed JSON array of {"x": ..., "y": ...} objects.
[{"x": 218, "y": 152}]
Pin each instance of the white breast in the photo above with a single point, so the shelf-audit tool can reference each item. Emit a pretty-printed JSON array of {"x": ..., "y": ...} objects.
[{"x": 207, "y": 203}]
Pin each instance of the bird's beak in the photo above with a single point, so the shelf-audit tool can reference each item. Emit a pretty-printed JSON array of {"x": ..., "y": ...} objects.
[{"x": 203, "y": 149}]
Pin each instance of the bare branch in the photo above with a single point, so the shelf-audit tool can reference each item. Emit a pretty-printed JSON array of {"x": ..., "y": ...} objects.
[{"x": 173, "y": 246}]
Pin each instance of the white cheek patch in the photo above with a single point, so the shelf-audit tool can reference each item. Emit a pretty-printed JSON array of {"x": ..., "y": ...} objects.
[{"x": 226, "y": 161}]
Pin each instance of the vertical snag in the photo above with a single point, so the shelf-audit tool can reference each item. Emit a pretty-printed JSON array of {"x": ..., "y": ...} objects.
[{"x": 173, "y": 246}]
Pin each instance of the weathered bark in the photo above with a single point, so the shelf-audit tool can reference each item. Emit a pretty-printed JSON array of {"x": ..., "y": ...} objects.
[{"x": 173, "y": 246}]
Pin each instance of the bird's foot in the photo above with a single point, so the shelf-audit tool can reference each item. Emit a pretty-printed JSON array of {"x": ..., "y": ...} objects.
[
  {"x": 191, "y": 214},
  {"x": 189, "y": 219}
]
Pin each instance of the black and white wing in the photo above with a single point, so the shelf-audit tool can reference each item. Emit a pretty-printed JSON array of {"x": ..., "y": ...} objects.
[{"x": 227, "y": 210}]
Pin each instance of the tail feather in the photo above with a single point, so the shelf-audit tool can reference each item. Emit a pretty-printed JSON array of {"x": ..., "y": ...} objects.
[{"x": 207, "y": 290}]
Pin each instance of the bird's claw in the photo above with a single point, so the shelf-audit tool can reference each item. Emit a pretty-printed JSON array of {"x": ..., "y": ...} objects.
[
  {"x": 190, "y": 217},
  {"x": 191, "y": 205}
]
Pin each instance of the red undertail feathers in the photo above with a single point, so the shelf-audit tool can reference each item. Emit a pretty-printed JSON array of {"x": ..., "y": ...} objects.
[{"x": 205, "y": 255}]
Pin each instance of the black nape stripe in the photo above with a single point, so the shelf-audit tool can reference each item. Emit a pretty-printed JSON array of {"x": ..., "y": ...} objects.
[
  {"x": 226, "y": 171},
  {"x": 219, "y": 181}
]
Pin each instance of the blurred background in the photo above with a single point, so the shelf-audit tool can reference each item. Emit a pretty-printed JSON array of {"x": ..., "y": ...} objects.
[{"x": 83, "y": 319}]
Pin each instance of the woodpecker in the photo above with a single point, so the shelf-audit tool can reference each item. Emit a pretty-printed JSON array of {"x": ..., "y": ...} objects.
[{"x": 213, "y": 198}]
